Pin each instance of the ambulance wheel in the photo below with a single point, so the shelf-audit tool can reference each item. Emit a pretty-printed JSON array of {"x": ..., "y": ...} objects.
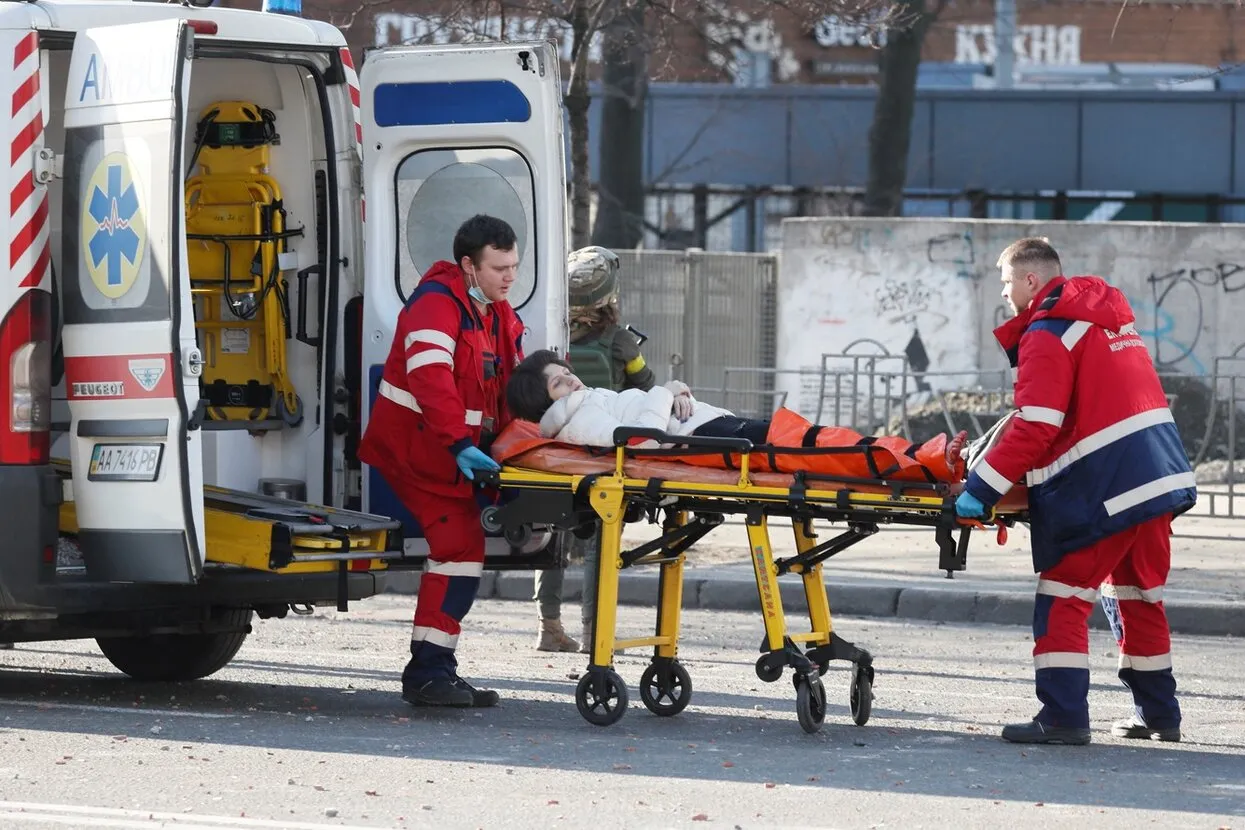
[
  {"x": 601, "y": 697},
  {"x": 666, "y": 688},
  {"x": 290, "y": 419},
  {"x": 860, "y": 694},
  {"x": 810, "y": 704},
  {"x": 489, "y": 520},
  {"x": 171, "y": 657}
]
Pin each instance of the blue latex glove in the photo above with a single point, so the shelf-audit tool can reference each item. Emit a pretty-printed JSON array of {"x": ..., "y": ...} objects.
[
  {"x": 471, "y": 459},
  {"x": 969, "y": 506}
]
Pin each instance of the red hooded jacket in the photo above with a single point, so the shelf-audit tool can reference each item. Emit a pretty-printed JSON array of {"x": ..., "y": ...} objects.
[
  {"x": 442, "y": 388},
  {"x": 1094, "y": 438}
]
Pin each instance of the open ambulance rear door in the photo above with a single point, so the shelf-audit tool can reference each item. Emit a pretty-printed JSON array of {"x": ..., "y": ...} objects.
[
  {"x": 131, "y": 362},
  {"x": 448, "y": 132}
]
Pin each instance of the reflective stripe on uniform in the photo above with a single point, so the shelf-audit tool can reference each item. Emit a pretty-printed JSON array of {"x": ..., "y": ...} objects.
[
  {"x": 1149, "y": 490},
  {"x": 427, "y": 634},
  {"x": 399, "y": 396},
  {"x": 1132, "y": 592},
  {"x": 1100, "y": 439},
  {"x": 1051, "y": 588},
  {"x": 432, "y": 336},
  {"x": 997, "y": 481},
  {"x": 1061, "y": 660},
  {"x": 454, "y": 568},
  {"x": 1042, "y": 415},
  {"x": 1156, "y": 663},
  {"x": 473, "y": 417},
  {"x": 634, "y": 365},
  {"x": 428, "y": 357},
  {"x": 1074, "y": 333}
]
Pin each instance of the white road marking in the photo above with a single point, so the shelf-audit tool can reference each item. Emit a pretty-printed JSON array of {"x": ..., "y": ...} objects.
[
  {"x": 112, "y": 817},
  {"x": 122, "y": 710}
]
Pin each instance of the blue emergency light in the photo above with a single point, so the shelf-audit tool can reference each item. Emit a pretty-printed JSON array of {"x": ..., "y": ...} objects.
[{"x": 294, "y": 7}]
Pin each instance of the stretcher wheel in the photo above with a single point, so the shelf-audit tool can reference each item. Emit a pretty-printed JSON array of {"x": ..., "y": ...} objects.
[
  {"x": 489, "y": 519},
  {"x": 860, "y": 694},
  {"x": 290, "y": 418},
  {"x": 601, "y": 697},
  {"x": 765, "y": 673},
  {"x": 666, "y": 688},
  {"x": 810, "y": 704}
]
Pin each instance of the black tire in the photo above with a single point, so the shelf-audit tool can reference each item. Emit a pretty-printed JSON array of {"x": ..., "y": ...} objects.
[
  {"x": 766, "y": 674},
  {"x": 605, "y": 706},
  {"x": 489, "y": 520},
  {"x": 666, "y": 693},
  {"x": 810, "y": 704},
  {"x": 860, "y": 694},
  {"x": 174, "y": 657}
]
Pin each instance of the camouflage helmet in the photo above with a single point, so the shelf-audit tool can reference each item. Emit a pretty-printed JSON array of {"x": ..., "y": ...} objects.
[{"x": 593, "y": 276}]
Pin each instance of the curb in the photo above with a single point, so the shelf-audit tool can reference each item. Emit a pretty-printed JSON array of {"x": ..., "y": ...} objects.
[{"x": 947, "y": 605}]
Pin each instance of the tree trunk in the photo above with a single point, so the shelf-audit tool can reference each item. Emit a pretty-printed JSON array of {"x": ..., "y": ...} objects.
[
  {"x": 891, "y": 132},
  {"x": 577, "y": 101},
  {"x": 620, "y": 191}
]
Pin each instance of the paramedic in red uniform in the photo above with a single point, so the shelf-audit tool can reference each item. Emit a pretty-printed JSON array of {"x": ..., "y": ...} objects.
[
  {"x": 1096, "y": 444},
  {"x": 440, "y": 403}
]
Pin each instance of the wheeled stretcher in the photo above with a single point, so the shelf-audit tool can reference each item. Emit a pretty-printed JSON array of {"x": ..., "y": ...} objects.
[{"x": 575, "y": 488}]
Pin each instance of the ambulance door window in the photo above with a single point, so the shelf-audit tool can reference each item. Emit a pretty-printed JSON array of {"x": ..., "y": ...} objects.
[{"x": 437, "y": 190}]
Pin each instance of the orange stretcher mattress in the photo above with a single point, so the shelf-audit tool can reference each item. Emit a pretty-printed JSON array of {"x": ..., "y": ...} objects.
[{"x": 521, "y": 445}]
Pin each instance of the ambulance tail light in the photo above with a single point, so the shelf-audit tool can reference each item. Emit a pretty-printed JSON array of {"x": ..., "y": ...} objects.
[
  {"x": 26, "y": 380},
  {"x": 202, "y": 27}
]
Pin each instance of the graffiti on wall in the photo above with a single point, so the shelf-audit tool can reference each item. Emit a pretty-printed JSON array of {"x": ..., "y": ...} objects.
[{"x": 928, "y": 291}]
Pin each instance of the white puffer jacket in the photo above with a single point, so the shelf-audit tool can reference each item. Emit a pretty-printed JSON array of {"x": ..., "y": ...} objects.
[{"x": 588, "y": 417}]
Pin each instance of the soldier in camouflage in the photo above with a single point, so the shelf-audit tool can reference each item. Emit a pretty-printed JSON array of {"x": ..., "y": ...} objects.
[{"x": 604, "y": 353}]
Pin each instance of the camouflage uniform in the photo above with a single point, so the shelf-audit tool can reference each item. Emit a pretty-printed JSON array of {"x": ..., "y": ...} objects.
[{"x": 604, "y": 354}]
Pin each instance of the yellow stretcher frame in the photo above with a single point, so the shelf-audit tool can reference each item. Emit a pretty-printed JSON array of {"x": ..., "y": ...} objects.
[
  {"x": 265, "y": 533},
  {"x": 566, "y": 500}
]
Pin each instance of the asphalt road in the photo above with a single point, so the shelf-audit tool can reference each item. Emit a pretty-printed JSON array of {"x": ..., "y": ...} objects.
[{"x": 305, "y": 730}]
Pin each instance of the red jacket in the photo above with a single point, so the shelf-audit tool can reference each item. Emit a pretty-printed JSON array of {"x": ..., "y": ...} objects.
[
  {"x": 442, "y": 388},
  {"x": 1094, "y": 437}
]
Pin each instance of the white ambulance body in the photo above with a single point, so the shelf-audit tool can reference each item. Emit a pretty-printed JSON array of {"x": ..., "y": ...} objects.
[{"x": 187, "y": 422}]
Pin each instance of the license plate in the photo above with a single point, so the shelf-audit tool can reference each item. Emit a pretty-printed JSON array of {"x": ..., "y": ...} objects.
[{"x": 125, "y": 462}]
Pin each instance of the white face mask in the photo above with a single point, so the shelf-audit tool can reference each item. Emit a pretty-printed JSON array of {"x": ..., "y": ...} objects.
[{"x": 475, "y": 292}]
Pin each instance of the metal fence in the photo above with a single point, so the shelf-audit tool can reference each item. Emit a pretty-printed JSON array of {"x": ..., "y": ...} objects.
[{"x": 703, "y": 312}]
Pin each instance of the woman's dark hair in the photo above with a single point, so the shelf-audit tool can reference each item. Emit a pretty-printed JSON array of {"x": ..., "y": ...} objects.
[
  {"x": 479, "y": 232},
  {"x": 527, "y": 393}
]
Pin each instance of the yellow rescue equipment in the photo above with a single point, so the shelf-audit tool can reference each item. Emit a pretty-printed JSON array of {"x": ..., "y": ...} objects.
[{"x": 235, "y": 238}]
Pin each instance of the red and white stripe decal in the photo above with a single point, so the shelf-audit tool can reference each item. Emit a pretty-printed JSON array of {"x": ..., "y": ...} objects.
[
  {"x": 352, "y": 81},
  {"x": 29, "y": 250},
  {"x": 119, "y": 377}
]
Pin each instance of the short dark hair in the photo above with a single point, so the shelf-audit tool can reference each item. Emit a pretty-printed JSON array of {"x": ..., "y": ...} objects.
[
  {"x": 480, "y": 231},
  {"x": 1031, "y": 250},
  {"x": 527, "y": 392}
]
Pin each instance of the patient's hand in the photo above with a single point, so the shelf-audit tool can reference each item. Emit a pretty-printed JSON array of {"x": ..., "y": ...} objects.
[
  {"x": 677, "y": 388},
  {"x": 955, "y": 448},
  {"x": 683, "y": 407}
]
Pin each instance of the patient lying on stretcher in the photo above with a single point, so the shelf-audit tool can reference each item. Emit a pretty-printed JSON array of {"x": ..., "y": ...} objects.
[{"x": 544, "y": 390}]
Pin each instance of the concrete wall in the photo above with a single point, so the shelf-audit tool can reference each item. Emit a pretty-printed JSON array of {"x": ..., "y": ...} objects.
[{"x": 873, "y": 285}]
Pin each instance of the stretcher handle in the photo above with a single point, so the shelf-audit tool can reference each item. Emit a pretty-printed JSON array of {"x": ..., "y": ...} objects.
[{"x": 624, "y": 435}]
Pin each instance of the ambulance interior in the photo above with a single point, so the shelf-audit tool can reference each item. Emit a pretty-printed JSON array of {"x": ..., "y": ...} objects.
[{"x": 260, "y": 301}]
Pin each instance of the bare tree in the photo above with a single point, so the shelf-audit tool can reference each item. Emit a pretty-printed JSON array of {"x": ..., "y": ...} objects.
[
  {"x": 626, "y": 33},
  {"x": 891, "y": 132}
]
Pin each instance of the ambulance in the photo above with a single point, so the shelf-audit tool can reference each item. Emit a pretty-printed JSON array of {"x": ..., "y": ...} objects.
[{"x": 214, "y": 222}]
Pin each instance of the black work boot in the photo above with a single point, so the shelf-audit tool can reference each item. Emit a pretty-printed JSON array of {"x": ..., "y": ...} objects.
[
  {"x": 1034, "y": 732},
  {"x": 1135, "y": 727},
  {"x": 440, "y": 691},
  {"x": 480, "y": 698}
]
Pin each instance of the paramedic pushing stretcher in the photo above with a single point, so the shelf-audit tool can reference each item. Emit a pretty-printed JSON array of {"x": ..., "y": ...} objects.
[
  {"x": 440, "y": 403},
  {"x": 1106, "y": 470}
]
